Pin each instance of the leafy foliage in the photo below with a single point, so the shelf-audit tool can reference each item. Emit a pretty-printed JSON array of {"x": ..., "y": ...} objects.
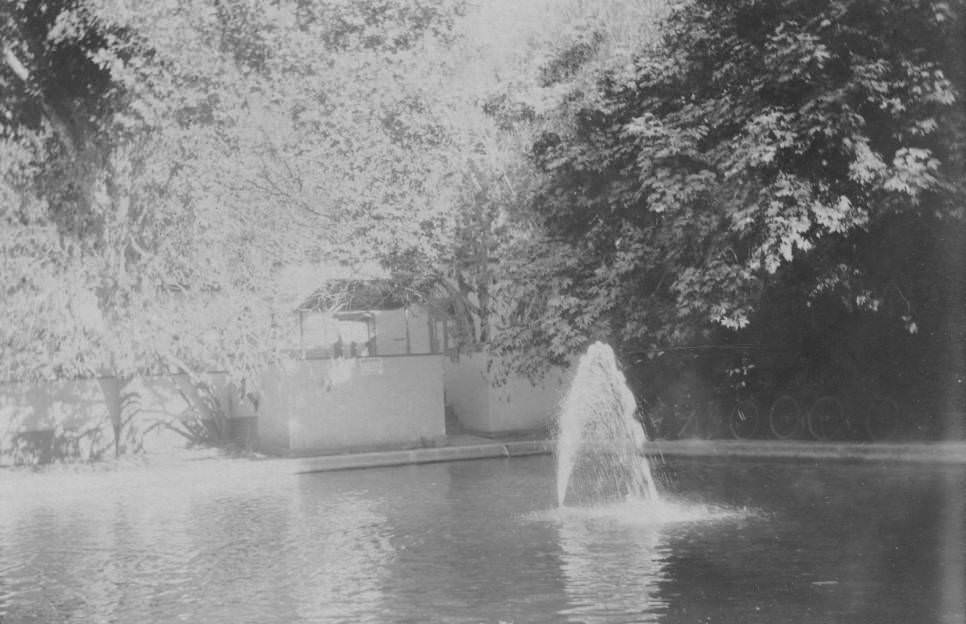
[
  {"x": 763, "y": 158},
  {"x": 173, "y": 174},
  {"x": 221, "y": 147}
]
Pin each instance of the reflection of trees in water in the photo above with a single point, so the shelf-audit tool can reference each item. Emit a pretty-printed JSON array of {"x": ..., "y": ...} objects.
[
  {"x": 838, "y": 542},
  {"x": 146, "y": 547},
  {"x": 239, "y": 544},
  {"x": 612, "y": 570},
  {"x": 42, "y": 587},
  {"x": 464, "y": 550},
  {"x": 952, "y": 561},
  {"x": 385, "y": 523},
  {"x": 337, "y": 555},
  {"x": 104, "y": 549}
]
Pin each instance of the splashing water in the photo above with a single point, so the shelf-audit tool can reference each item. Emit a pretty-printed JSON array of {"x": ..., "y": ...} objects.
[{"x": 599, "y": 451}]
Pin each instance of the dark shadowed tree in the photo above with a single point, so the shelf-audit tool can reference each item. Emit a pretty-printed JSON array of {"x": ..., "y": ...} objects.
[{"x": 774, "y": 171}]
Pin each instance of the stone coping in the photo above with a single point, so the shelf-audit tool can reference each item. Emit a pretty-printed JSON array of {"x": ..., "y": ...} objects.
[
  {"x": 483, "y": 450},
  {"x": 467, "y": 447},
  {"x": 921, "y": 452}
]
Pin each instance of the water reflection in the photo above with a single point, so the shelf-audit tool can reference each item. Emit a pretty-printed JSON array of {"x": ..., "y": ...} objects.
[
  {"x": 952, "y": 557},
  {"x": 624, "y": 582},
  {"x": 141, "y": 547},
  {"x": 338, "y": 559},
  {"x": 839, "y": 542},
  {"x": 464, "y": 551},
  {"x": 483, "y": 541},
  {"x": 615, "y": 556}
]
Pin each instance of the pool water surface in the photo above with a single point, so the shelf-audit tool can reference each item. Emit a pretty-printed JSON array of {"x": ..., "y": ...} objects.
[{"x": 483, "y": 541}]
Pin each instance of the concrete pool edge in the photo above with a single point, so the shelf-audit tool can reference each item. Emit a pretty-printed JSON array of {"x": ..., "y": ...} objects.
[
  {"x": 485, "y": 450},
  {"x": 919, "y": 452},
  {"x": 470, "y": 447},
  {"x": 914, "y": 452}
]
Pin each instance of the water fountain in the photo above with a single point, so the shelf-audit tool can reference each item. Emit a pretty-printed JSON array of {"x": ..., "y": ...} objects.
[{"x": 599, "y": 450}]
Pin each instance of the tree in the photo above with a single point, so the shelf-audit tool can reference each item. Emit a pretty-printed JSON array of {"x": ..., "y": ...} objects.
[
  {"x": 766, "y": 156},
  {"x": 508, "y": 74},
  {"x": 207, "y": 152},
  {"x": 220, "y": 146}
]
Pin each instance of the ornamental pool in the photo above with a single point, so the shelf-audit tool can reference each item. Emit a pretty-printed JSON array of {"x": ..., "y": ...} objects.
[{"x": 482, "y": 541}]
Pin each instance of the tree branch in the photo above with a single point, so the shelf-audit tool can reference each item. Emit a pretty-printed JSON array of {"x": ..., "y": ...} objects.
[{"x": 14, "y": 63}]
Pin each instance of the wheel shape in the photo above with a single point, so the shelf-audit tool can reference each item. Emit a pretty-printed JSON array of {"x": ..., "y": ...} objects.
[
  {"x": 785, "y": 417},
  {"x": 826, "y": 419},
  {"x": 743, "y": 421},
  {"x": 882, "y": 419}
]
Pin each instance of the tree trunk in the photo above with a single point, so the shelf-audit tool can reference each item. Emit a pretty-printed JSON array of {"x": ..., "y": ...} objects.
[
  {"x": 111, "y": 388},
  {"x": 57, "y": 121}
]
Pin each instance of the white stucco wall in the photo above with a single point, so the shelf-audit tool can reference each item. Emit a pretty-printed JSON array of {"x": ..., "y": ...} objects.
[
  {"x": 468, "y": 391},
  {"x": 514, "y": 405},
  {"x": 327, "y": 405},
  {"x": 82, "y": 413}
]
